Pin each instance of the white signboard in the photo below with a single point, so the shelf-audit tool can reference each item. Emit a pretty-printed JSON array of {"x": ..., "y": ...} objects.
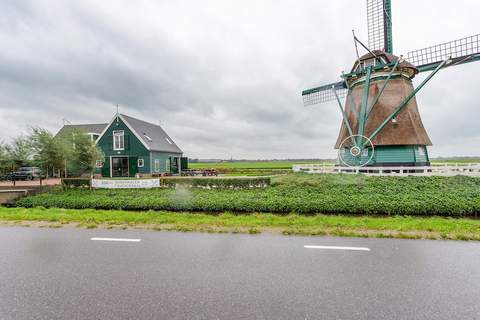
[{"x": 125, "y": 184}]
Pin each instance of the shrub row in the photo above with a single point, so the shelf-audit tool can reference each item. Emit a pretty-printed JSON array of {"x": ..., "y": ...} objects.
[
  {"x": 335, "y": 194},
  {"x": 206, "y": 183}
]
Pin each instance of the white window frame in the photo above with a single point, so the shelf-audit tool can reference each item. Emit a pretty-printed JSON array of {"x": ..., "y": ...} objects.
[
  {"x": 157, "y": 165},
  {"x": 140, "y": 162},
  {"x": 120, "y": 135}
]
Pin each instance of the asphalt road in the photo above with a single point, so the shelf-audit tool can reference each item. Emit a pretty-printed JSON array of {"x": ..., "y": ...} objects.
[{"x": 63, "y": 274}]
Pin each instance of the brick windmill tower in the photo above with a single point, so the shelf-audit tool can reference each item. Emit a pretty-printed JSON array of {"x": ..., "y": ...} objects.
[{"x": 381, "y": 123}]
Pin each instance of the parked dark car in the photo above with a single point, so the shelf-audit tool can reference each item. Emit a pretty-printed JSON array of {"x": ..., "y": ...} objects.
[{"x": 24, "y": 173}]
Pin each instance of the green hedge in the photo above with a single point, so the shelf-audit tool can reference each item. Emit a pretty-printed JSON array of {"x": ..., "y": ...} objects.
[
  {"x": 300, "y": 193},
  {"x": 207, "y": 183}
]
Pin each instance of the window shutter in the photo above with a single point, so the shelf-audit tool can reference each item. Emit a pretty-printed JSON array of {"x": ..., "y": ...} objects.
[{"x": 127, "y": 142}]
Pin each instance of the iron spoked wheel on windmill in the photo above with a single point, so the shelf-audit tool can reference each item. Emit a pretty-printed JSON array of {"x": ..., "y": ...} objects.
[{"x": 354, "y": 154}]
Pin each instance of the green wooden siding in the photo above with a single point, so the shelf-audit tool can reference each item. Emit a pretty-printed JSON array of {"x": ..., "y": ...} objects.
[
  {"x": 409, "y": 154},
  {"x": 395, "y": 154},
  {"x": 390, "y": 155},
  {"x": 162, "y": 158},
  {"x": 133, "y": 148}
]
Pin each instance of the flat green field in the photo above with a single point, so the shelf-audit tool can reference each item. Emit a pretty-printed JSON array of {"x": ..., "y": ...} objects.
[
  {"x": 275, "y": 167},
  {"x": 454, "y": 161},
  {"x": 254, "y": 164}
]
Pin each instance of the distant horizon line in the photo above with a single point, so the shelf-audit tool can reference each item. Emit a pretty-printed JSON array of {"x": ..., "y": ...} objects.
[{"x": 316, "y": 159}]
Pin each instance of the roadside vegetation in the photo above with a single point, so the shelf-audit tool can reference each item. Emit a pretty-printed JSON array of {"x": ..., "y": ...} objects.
[
  {"x": 295, "y": 193},
  {"x": 291, "y": 224},
  {"x": 74, "y": 152}
]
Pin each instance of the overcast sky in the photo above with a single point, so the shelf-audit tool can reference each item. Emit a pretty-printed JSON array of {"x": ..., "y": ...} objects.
[{"x": 224, "y": 78}]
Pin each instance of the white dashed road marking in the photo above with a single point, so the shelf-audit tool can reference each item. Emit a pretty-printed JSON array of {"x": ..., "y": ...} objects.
[
  {"x": 337, "y": 248},
  {"x": 116, "y": 239}
]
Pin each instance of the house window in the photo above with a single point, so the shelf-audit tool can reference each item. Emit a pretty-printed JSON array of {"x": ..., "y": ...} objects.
[
  {"x": 140, "y": 162},
  {"x": 157, "y": 165},
  {"x": 421, "y": 151},
  {"x": 98, "y": 163},
  {"x": 167, "y": 165},
  {"x": 118, "y": 140},
  {"x": 93, "y": 136}
]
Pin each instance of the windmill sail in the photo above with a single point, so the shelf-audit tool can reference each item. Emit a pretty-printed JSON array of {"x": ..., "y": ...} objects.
[
  {"x": 461, "y": 51},
  {"x": 379, "y": 20},
  {"x": 324, "y": 93}
]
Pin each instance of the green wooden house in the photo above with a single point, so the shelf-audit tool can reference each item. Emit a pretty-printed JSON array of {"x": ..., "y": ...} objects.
[{"x": 133, "y": 147}]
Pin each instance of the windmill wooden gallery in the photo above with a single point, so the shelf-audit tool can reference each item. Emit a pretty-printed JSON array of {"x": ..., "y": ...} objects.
[{"x": 381, "y": 124}]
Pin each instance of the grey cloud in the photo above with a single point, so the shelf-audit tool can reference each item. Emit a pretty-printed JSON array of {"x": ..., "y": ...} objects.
[{"x": 223, "y": 77}]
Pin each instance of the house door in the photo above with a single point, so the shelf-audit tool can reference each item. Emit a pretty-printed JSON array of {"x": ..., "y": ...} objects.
[
  {"x": 173, "y": 165},
  {"x": 120, "y": 167}
]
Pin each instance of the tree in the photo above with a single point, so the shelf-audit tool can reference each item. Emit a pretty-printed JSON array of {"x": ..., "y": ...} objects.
[
  {"x": 6, "y": 163},
  {"x": 20, "y": 151},
  {"x": 49, "y": 152},
  {"x": 82, "y": 153}
]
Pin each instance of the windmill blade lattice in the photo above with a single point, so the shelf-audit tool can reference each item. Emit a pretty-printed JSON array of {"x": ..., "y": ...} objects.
[
  {"x": 461, "y": 51},
  {"x": 324, "y": 93},
  {"x": 379, "y": 25}
]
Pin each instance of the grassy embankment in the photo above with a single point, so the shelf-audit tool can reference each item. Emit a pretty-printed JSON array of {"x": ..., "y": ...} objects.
[
  {"x": 292, "y": 224},
  {"x": 303, "y": 204}
]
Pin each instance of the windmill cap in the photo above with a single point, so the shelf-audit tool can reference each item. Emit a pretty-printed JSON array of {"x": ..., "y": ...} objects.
[{"x": 388, "y": 57}]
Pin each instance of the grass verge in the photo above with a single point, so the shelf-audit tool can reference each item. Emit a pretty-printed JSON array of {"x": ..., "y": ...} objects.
[{"x": 292, "y": 224}]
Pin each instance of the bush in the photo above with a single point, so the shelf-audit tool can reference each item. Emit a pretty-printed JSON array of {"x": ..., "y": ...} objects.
[
  {"x": 208, "y": 183},
  {"x": 300, "y": 193},
  {"x": 76, "y": 183}
]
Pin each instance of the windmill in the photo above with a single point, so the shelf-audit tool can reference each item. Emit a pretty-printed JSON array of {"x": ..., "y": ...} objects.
[{"x": 381, "y": 123}]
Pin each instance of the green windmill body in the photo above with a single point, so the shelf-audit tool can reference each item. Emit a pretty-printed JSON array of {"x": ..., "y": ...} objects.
[{"x": 381, "y": 123}]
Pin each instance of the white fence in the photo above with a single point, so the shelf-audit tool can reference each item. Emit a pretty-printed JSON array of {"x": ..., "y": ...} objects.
[{"x": 469, "y": 169}]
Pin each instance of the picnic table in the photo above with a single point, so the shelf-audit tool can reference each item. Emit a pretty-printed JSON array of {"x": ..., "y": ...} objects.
[{"x": 199, "y": 172}]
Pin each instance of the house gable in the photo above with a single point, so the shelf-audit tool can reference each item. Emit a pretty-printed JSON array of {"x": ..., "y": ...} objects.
[
  {"x": 132, "y": 145},
  {"x": 133, "y": 148}
]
